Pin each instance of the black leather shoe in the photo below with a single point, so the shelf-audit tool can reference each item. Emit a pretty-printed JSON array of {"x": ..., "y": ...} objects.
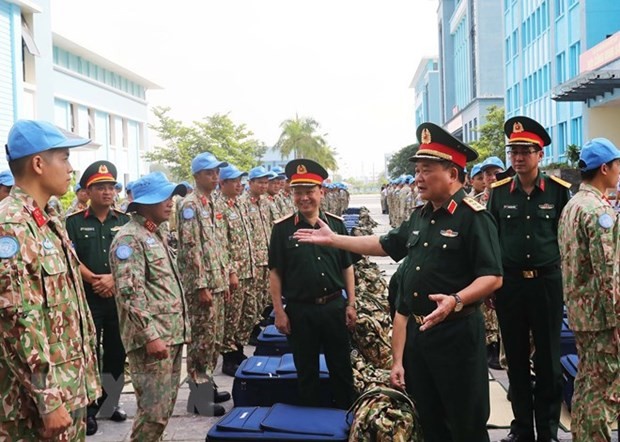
[
  {"x": 91, "y": 425},
  {"x": 118, "y": 415},
  {"x": 230, "y": 368},
  {"x": 493, "y": 356},
  {"x": 512, "y": 437}
]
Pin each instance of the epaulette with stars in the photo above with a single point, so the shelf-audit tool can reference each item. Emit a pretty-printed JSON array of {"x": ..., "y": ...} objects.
[
  {"x": 560, "y": 181},
  {"x": 75, "y": 213},
  {"x": 501, "y": 182},
  {"x": 475, "y": 205},
  {"x": 335, "y": 216},
  {"x": 279, "y": 220}
]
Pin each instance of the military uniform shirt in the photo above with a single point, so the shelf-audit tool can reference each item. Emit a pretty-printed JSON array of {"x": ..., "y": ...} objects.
[
  {"x": 261, "y": 229},
  {"x": 588, "y": 237},
  {"x": 528, "y": 224},
  {"x": 47, "y": 335},
  {"x": 307, "y": 271},
  {"x": 203, "y": 246},
  {"x": 447, "y": 249},
  {"x": 239, "y": 235},
  {"x": 92, "y": 239},
  {"x": 149, "y": 296}
]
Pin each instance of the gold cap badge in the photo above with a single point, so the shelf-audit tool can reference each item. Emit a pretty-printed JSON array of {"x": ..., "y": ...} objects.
[
  {"x": 517, "y": 127},
  {"x": 426, "y": 136},
  {"x": 103, "y": 169},
  {"x": 301, "y": 169}
]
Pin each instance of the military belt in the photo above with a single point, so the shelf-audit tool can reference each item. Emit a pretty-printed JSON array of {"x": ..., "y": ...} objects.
[
  {"x": 531, "y": 273},
  {"x": 319, "y": 301},
  {"x": 467, "y": 310}
]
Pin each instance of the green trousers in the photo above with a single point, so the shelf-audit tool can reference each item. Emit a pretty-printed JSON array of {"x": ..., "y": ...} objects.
[{"x": 313, "y": 326}]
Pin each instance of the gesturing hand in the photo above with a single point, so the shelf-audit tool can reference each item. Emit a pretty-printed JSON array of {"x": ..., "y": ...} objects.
[{"x": 322, "y": 236}]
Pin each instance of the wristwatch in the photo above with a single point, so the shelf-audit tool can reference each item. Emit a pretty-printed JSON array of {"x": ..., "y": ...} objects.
[{"x": 459, "y": 302}]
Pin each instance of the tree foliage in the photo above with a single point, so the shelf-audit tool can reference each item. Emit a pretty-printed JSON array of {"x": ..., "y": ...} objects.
[
  {"x": 399, "y": 163},
  {"x": 217, "y": 134},
  {"x": 572, "y": 154},
  {"x": 301, "y": 137},
  {"x": 492, "y": 139}
]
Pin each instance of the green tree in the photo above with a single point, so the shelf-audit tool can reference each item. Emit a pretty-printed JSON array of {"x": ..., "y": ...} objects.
[
  {"x": 399, "y": 163},
  {"x": 572, "y": 154},
  {"x": 301, "y": 137},
  {"x": 217, "y": 134},
  {"x": 492, "y": 139}
]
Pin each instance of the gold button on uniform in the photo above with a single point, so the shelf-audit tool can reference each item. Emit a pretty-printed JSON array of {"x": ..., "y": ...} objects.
[
  {"x": 418, "y": 268},
  {"x": 415, "y": 294},
  {"x": 527, "y": 217},
  {"x": 425, "y": 244}
]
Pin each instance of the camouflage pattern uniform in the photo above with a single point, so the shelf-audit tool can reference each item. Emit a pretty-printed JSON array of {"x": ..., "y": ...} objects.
[
  {"x": 588, "y": 238},
  {"x": 76, "y": 206},
  {"x": 403, "y": 197},
  {"x": 150, "y": 306},
  {"x": 273, "y": 212},
  {"x": 204, "y": 264},
  {"x": 258, "y": 214},
  {"x": 47, "y": 345},
  {"x": 287, "y": 206},
  {"x": 242, "y": 304}
]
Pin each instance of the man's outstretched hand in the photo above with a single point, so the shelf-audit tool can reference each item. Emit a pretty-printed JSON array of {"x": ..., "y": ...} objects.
[{"x": 322, "y": 236}]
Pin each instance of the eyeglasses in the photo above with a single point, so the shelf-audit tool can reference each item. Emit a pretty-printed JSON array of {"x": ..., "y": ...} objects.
[{"x": 523, "y": 153}]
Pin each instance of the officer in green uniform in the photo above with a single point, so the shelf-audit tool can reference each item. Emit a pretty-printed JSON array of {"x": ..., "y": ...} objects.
[
  {"x": 453, "y": 262},
  {"x": 91, "y": 231},
  {"x": 527, "y": 208},
  {"x": 313, "y": 280}
]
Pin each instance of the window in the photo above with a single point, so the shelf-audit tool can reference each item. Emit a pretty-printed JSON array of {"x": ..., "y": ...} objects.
[
  {"x": 517, "y": 96},
  {"x": 576, "y": 131},
  {"x": 112, "y": 128},
  {"x": 559, "y": 7},
  {"x": 573, "y": 60},
  {"x": 560, "y": 68},
  {"x": 91, "y": 124},
  {"x": 562, "y": 139},
  {"x": 74, "y": 118}
]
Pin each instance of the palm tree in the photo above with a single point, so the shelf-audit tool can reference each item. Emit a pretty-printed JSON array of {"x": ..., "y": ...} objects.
[{"x": 300, "y": 136}]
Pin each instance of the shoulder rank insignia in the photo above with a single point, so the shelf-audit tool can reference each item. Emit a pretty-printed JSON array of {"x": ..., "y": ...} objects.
[
  {"x": 279, "y": 220},
  {"x": 560, "y": 181},
  {"x": 501, "y": 182},
  {"x": 474, "y": 204},
  {"x": 334, "y": 216}
]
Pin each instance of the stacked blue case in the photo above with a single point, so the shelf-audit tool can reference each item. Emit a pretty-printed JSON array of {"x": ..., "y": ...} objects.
[
  {"x": 281, "y": 422},
  {"x": 265, "y": 380},
  {"x": 271, "y": 342},
  {"x": 567, "y": 340}
]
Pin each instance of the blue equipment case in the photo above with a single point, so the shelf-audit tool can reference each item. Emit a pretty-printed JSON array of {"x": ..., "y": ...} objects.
[
  {"x": 570, "y": 364},
  {"x": 271, "y": 342},
  {"x": 265, "y": 380},
  {"x": 281, "y": 422},
  {"x": 567, "y": 340}
]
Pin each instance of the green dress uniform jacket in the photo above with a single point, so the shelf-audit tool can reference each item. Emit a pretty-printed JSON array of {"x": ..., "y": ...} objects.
[
  {"x": 530, "y": 300},
  {"x": 445, "y": 367}
]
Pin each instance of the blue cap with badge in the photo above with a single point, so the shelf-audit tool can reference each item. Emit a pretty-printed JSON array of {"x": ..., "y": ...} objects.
[
  {"x": 476, "y": 169},
  {"x": 153, "y": 189},
  {"x": 231, "y": 172},
  {"x": 259, "y": 172},
  {"x": 597, "y": 152},
  {"x": 206, "y": 161},
  {"x": 6, "y": 178},
  {"x": 29, "y": 137},
  {"x": 492, "y": 162}
]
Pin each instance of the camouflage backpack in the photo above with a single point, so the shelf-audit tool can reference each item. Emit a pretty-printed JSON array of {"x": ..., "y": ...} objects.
[{"x": 384, "y": 415}]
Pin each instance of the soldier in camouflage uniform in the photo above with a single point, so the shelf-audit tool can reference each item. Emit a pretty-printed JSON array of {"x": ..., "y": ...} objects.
[
  {"x": 151, "y": 307},
  {"x": 588, "y": 237},
  {"x": 271, "y": 196},
  {"x": 258, "y": 211},
  {"x": 80, "y": 202},
  {"x": 404, "y": 198},
  {"x": 477, "y": 181},
  {"x": 239, "y": 236},
  {"x": 48, "y": 367},
  {"x": 204, "y": 264},
  {"x": 286, "y": 198},
  {"x": 6, "y": 183}
]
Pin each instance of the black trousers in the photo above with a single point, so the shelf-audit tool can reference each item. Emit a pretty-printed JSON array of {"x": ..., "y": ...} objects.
[
  {"x": 535, "y": 305},
  {"x": 110, "y": 354},
  {"x": 446, "y": 375},
  {"x": 313, "y": 326}
]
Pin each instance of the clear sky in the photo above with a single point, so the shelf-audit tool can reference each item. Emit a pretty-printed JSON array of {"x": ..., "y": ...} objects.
[{"x": 346, "y": 63}]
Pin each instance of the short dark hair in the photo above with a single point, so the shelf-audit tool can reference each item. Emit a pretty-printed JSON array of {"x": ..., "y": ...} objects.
[
  {"x": 589, "y": 175},
  {"x": 449, "y": 164},
  {"x": 18, "y": 166}
]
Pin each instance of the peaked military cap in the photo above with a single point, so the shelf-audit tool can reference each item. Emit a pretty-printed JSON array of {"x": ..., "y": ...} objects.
[
  {"x": 98, "y": 172},
  {"x": 525, "y": 131},
  {"x": 438, "y": 144},
  {"x": 304, "y": 172}
]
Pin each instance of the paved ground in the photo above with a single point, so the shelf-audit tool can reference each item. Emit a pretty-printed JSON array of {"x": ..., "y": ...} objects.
[{"x": 186, "y": 427}]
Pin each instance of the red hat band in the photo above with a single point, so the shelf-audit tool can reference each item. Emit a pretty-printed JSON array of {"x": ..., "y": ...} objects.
[
  {"x": 443, "y": 152},
  {"x": 306, "y": 178},
  {"x": 525, "y": 137}
]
